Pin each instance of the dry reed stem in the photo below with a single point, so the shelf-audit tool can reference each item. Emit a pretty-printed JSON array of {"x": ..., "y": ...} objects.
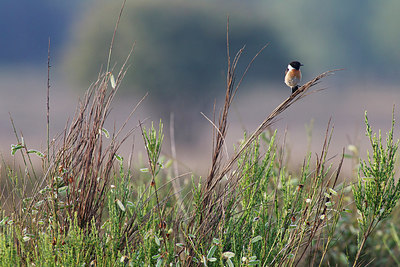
[
  {"x": 114, "y": 34},
  {"x": 87, "y": 161}
]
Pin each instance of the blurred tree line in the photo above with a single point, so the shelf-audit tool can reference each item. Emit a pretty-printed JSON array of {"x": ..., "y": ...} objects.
[
  {"x": 183, "y": 41},
  {"x": 181, "y": 44},
  {"x": 27, "y": 25},
  {"x": 180, "y": 50}
]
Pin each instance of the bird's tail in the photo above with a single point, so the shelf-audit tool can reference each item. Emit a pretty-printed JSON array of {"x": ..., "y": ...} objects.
[{"x": 294, "y": 88}]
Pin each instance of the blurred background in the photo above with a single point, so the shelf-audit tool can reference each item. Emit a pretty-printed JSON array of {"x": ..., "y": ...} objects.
[{"x": 180, "y": 59}]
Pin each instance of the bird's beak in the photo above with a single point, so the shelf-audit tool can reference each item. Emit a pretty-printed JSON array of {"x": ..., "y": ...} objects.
[{"x": 301, "y": 64}]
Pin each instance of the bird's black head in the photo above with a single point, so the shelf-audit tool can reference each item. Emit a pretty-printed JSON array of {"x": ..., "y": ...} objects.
[{"x": 295, "y": 64}]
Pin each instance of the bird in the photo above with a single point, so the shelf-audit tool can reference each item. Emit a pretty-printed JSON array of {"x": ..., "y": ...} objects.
[{"x": 293, "y": 75}]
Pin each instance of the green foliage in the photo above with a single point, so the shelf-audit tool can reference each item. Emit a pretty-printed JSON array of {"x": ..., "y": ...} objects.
[
  {"x": 8, "y": 250},
  {"x": 153, "y": 142},
  {"x": 377, "y": 191},
  {"x": 269, "y": 210}
]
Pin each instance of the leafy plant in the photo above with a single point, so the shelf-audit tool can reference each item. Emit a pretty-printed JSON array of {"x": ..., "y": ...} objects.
[{"x": 376, "y": 192}]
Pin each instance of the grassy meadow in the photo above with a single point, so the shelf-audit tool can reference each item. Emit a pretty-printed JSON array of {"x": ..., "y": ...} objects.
[{"x": 87, "y": 205}]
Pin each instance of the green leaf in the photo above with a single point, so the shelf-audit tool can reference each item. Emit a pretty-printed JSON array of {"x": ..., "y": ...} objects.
[
  {"x": 333, "y": 192},
  {"x": 105, "y": 132},
  {"x": 124, "y": 259},
  {"x": 45, "y": 190},
  {"x": 15, "y": 148},
  {"x": 329, "y": 204},
  {"x": 347, "y": 211},
  {"x": 159, "y": 262},
  {"x": 104, "y": 225},
  {"x": 37, "y": 152},
  {"x": 228, "y": 254},
  {"x": 119, "y": 158},
  {"x": 63, "y": 190},
  {"x": 4, "y": 221},
  {"x": 211, "y": 252},
  {"x": 230, "y": 263},
  {"x": 120, "y": 205},
  {"x": 254, "y": 262},
  {"x": 144, "y": 169},
  {"x": 212, "y": 259},
  {"x": 256, "y": 239},
  {"x": 157, "y": 240},
  {"x": 39, "y": 203},
  {"x": 215, "y": 241},
  {"x": 112, "y": 81}
]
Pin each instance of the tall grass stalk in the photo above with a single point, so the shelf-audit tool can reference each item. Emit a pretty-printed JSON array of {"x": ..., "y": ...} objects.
[{"x": 153, "y": 142}]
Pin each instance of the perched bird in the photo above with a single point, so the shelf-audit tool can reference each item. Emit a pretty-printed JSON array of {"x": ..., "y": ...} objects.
[{"x": 293, "y": 75}]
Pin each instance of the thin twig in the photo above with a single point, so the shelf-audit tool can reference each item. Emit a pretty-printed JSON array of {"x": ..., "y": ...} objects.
[
  {"x": 218, "y": 131},
  {"x": 113, "y": 38},
  {"x": 48, "y": 104},
  {"x": 175, "y": 182}
]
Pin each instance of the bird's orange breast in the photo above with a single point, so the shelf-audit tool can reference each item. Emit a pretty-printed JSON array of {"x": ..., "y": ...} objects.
[{"x": 292, "y": 77}]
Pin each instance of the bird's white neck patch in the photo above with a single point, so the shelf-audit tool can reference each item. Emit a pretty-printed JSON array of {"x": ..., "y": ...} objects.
[{"x": 290, "y": 67}]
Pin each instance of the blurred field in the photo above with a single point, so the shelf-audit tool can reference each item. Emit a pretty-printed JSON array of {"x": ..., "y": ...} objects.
[{"x": 24, "y": 91}]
